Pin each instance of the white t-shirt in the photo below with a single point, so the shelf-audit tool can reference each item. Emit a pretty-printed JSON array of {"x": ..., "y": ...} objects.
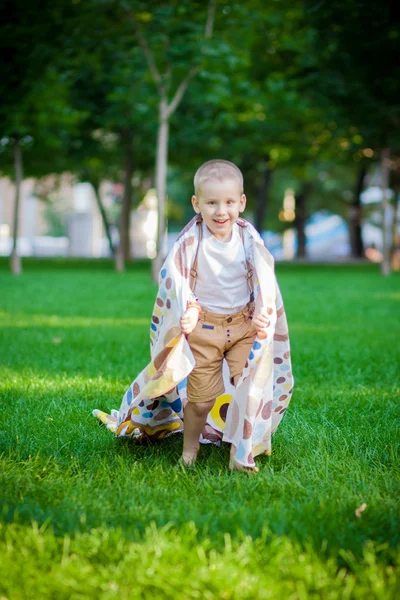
[{"x": 221, "y": 284}]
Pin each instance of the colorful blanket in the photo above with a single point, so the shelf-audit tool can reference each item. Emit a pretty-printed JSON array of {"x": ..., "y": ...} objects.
[{"x": 153, "y": 405}]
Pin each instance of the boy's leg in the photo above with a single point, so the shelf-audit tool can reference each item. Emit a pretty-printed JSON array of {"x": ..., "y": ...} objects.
[
  {"x": 205, "y": 383},
  {"x": 243, "y": 337},
  {"x": 195, "y": 419},
  {"x": 235, "y": 466}
]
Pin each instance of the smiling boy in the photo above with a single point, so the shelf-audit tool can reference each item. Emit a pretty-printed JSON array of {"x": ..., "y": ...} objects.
[
  {"x": 218, "y": 300},
  {"x": 219, "y": 322}
]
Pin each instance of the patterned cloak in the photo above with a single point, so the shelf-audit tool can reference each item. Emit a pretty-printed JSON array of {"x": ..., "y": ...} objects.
[{"x": 153, "y": 405}]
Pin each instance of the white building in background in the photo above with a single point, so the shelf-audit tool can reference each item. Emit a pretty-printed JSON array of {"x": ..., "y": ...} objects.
[
  {"x": 31, "y": 216},
  {"x": 144, "y": 220},
  {"x": 74, "y": 202},
  {"x": 84, "y": 224}
]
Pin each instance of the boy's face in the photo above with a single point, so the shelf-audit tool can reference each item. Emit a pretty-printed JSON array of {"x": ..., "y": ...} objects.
[{"x": 220, "y": 203}]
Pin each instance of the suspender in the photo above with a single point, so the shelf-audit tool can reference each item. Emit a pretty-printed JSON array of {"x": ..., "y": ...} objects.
[
  {"x": 193, "y": 270},
  {"x": 249, "y": 269}
]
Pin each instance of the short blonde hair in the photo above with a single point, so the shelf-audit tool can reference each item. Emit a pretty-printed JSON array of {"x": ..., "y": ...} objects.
[{"x": 217, "y": 170}]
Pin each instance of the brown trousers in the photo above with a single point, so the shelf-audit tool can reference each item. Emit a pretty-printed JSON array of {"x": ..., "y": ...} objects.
[{"x": 214, "y": 338}]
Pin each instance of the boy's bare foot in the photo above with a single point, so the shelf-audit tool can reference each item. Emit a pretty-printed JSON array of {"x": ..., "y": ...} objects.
[
  {"x": 235, "y": 466},
  {"x": 189, "y": 457},
  {"x": 187, "y": 460}
]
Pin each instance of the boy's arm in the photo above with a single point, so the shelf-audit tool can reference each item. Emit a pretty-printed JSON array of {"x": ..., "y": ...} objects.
[
  {"x": 190, "y": 316},
  {"x": 261, "y": 322}
]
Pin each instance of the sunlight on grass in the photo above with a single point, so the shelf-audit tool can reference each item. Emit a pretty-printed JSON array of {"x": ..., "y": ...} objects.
[
  {"x": 313, "y": 328},
  {"x": 42, "y": 381},
  {"x": 21, "y": 320},
  {"x": 390, "y": 296}
]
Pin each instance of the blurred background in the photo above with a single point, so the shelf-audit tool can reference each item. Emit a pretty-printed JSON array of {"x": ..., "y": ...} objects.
[{"x": 108, "y": 107}]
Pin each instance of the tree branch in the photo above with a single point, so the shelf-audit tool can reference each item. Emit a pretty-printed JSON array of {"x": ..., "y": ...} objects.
[
  {"x": 184, "y": 84},
  {"x": 167, "y": 77},
  {"x": 210, "y": 20},
  {"x": 149, "y": 57},
  {"x": 180, "y": 91}
]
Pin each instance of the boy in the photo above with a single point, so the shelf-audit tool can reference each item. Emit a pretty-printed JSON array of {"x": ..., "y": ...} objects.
[
  {"x": 226, "y": 329},
  {"x": 237, "y": 314}
]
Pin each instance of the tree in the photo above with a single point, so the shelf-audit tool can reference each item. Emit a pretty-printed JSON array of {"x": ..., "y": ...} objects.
[
  {"x": 173, "y": 59},
  {"x": 35, "y": 128},
  {"x": 34, "y": 112},
  {"x": 354, "y": 48},
  {"x": 106, "y": 70},
  {"x": 94, "y": 79}
]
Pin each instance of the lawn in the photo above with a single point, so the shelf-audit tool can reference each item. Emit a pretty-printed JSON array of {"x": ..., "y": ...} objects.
[{"x": 85, "y": 515}]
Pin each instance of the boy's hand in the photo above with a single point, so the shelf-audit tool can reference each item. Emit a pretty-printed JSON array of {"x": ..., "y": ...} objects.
[
  {"x": 261, "y": 322},
  {"x": 189, "y": 320}
]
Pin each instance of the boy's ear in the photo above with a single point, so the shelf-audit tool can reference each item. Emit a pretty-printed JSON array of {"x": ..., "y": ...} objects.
[
  {"x": 242, "y": 204},
  {"x": 195, "y": 204}
]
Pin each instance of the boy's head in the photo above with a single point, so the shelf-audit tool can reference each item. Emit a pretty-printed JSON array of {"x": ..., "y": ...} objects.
[
  {"x": 217, "y": 170},
  {"x": 219, "y": 196}
]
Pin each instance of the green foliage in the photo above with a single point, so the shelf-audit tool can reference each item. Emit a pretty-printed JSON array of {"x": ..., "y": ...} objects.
[
  {"x": 73, "y": 336},
  {"x": 302, "y": 88},
  {"x": 44, "y": 121},
  {"x": 353, "y": 66},
  {"x": 35, "y": 107},
  {"x": 262, "y": 113}
]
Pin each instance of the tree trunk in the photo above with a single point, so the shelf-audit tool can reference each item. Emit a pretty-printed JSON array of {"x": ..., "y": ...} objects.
[
  {"x": 300, "y": 220},
  {"x": 166, "y": 109},
  {"x": 262, "y": 198},
  {"x": 103, "y": 216},
  {"x": 161, "y": 185},
  {"x": 15, "y": 260},
  {"x": 386, "y": 230},
  {"x": 356, "y": 241},
  {"x": 395, "y": 258},
  {"x": 124, "y": 250}
]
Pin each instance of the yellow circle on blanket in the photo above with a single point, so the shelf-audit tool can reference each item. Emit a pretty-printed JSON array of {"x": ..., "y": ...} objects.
[{"x": 219, "y": 410}]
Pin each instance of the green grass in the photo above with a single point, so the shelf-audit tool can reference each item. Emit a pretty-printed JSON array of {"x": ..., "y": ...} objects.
[{"x": 87, "y": 516}]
